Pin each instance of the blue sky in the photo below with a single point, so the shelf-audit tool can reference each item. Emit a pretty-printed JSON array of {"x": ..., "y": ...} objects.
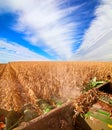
[{"x": 61, "y": 30}]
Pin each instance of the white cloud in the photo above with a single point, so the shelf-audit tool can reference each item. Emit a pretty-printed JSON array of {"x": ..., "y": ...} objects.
[
  {"x": 46, "y": 24},
  {"x": 10, "y": 51},
  {"x": 97, "y": 44},
  {"x": 100, "y": 51},
  {"x": 45, "y": 21}
]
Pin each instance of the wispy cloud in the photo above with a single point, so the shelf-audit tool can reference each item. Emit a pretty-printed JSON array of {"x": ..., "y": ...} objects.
[
  {"x": 46, "y": 21},
  {"x": 97, "y": 42},
  {"x": 10, "y": 51},
  {"x": 58, "y": 27}
]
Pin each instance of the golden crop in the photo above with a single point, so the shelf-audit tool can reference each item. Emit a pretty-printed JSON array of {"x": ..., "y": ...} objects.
[{"x": 25, "y": 82}]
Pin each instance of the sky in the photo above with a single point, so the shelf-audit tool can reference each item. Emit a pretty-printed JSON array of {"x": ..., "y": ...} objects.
[{"x": 55, "y": 30}]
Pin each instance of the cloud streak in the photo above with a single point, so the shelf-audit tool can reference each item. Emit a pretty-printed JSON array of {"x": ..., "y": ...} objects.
[
  {"x": 10, "y": 51},
  {"x": 97, "y": 42},
  {"x": 48, "y": 22},
  {"x": 62, "y": 30}
]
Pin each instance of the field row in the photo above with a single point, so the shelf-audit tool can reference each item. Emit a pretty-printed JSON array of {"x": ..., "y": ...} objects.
[{"x": 26, "y": 82}]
